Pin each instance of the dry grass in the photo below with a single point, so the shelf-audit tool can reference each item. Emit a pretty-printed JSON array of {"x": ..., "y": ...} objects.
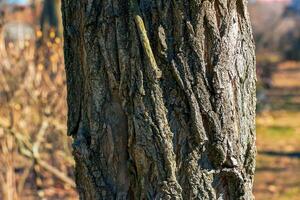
[{"x": 36, "y": 162}]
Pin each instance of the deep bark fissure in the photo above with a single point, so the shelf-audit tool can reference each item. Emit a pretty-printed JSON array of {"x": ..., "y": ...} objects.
[{"x": 161, "y": 98}]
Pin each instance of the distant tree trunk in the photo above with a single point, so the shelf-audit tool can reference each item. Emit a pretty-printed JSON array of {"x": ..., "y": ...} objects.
[
  {"x": 33, "y": 5},
  {"x": 161, "y": 98},
  {"x": 51, "y": 16}
]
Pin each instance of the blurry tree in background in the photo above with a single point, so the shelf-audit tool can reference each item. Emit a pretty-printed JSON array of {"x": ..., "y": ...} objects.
[
  {"x": 281, "y": 44},
  {"x": 51, "y": 17},
  {"x": 161, "y": 98},
  {"x": 284, "y": 21}
]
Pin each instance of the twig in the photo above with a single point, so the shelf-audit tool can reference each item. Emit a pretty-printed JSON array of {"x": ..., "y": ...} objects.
[
  {"x": 39, "y": 138},
  {"x": 27, "y": 151}
]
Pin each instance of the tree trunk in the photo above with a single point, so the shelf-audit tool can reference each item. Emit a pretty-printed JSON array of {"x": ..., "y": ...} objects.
[
  {"x": 161, "y": 98},
  {"x": 51, "y": 17}
]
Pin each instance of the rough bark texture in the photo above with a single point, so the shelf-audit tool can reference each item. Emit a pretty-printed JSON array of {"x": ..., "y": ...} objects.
[{"x": 161, "y": 97}]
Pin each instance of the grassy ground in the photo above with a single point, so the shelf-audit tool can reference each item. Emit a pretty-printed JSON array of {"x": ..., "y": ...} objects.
[
  {"x": 278, "y": 138},
  {"x": 278, "y": 163}
]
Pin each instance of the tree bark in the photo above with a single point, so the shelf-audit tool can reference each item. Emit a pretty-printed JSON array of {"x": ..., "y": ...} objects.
[{"x": 161, "y": 98}]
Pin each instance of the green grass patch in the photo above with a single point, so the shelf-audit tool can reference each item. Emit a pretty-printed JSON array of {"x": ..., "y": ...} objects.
[
  {"x": 274, "y": 131},
  {"x": 282, "y": 130}
]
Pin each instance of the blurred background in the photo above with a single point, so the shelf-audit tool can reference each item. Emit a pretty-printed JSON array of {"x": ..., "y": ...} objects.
[
  {"x": 35, "y": 156},
  {"x": 276, "y": 28}
]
